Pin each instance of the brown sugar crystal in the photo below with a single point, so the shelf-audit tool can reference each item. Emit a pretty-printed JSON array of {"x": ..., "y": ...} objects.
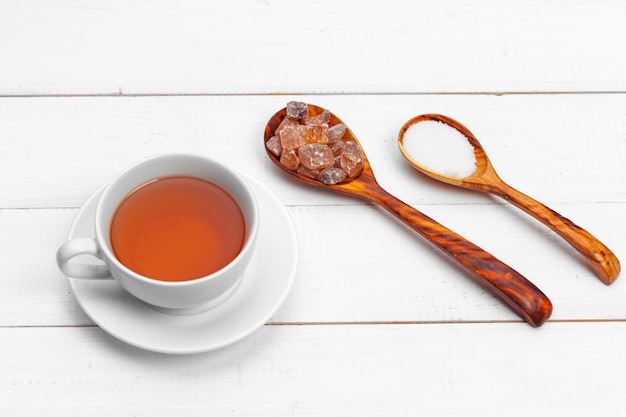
[
  {"x": 297, "y": 109},
  {"x": 333, "y": 175},
  {"x": 287, "y": 121},
  {"x": 308, "y": 172},
  {"x": 321, "y": 119},
  {"x": 292, "y": 136},
  {"x": 316, "y": 156},
  {"x": 273, "y": 144},
  {"x": 316, "y": 133},
  {"x": 351, "y": 159},
  {"x": 336, "y": 132},
  {"x": 289, "y": 159}
]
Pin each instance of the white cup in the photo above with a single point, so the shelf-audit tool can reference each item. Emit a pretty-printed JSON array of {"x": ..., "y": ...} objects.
[{"x": 181, "y": 296}]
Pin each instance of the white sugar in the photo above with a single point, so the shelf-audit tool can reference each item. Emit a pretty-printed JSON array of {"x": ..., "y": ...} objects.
[{"x": 440, "y": 148}]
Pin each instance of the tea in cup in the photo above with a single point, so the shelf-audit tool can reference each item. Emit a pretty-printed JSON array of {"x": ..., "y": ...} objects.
[{"x": 176, "y": 231}]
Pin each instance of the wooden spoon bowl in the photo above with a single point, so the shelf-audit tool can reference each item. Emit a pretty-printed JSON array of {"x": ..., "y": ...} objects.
[{"x": 521, "y": 295}]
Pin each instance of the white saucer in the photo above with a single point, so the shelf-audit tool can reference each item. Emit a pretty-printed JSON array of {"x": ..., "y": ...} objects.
[{"x": 263, "y": 289}]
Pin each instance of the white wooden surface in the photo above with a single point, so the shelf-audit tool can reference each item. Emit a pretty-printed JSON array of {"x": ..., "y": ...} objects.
[{"x": 389, "y": 327}]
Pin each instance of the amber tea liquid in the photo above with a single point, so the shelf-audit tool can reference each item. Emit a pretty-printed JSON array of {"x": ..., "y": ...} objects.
[{"x": 177, "y": 229}]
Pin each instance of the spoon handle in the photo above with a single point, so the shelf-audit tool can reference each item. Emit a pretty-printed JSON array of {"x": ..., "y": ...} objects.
[
  {"x": 602, "y": 259},
  {"x": 502, "y": 280}
]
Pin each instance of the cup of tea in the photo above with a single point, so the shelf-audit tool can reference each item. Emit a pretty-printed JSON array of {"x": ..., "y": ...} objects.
[{"x": 176, "y": 231}]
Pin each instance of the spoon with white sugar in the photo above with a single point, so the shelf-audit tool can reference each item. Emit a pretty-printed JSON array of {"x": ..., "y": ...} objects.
[{"x": 445, "y": 150}]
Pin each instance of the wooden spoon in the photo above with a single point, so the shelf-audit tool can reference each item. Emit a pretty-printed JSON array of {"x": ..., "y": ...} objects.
[
  {"x": 485, "y": 179},
  {"x": 510, "y": 286}
]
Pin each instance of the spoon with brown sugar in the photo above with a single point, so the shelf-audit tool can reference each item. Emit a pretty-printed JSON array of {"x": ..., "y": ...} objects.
[
  {"x": 358, "y": 180},
  {"x": 424, "y": 137}
]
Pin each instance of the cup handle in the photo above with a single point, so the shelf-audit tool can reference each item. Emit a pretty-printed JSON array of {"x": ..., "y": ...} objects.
[{"x": 81, "y": 246}]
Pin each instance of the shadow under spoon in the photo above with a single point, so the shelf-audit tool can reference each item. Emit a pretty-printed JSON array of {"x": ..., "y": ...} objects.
[
  {"x": 485, "y": 179},
  {"x": 521, "y": 295}
]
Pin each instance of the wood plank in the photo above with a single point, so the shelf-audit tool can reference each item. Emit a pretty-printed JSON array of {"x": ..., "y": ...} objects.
[
  {"x": 148, "y": 47},
  {"x": 556, "y": 148},
  {"x": 563, "y": 369},
  {"x": 386, "y": 273}
]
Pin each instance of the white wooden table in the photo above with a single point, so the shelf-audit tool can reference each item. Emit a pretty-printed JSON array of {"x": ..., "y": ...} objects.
[{"x": 389, "y": 327}]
